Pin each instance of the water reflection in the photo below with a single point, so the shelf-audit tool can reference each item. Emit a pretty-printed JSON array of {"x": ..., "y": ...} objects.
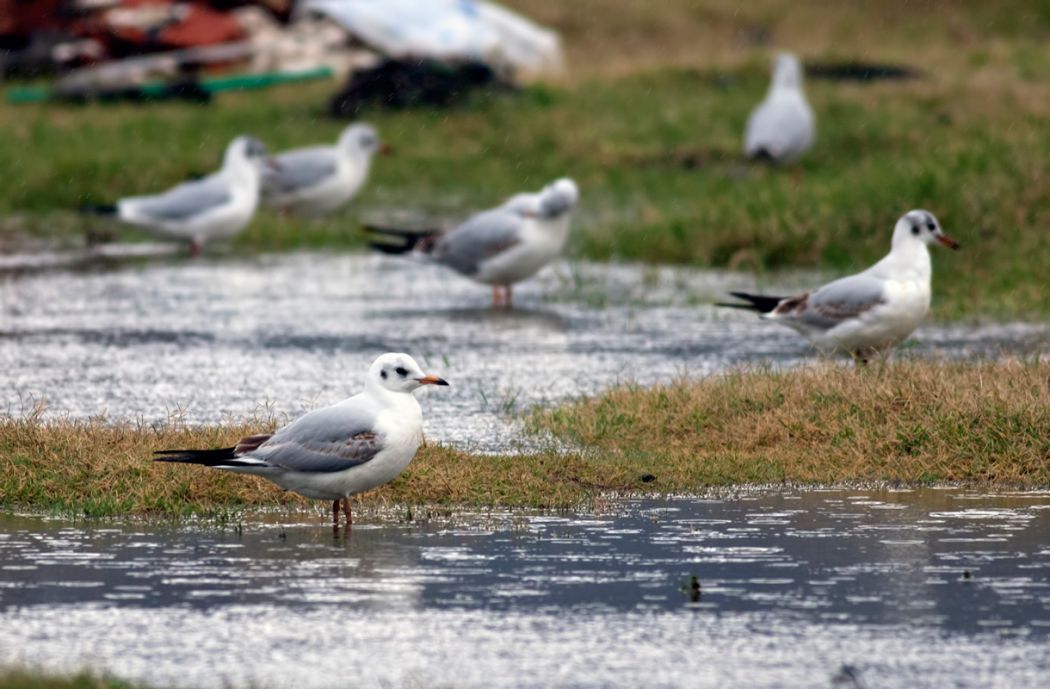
[{"x": 911, "y": 588}]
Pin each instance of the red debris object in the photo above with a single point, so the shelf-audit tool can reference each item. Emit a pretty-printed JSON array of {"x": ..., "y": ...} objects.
[
  {"x": 19, "y": 19},
  {"x": 166, "y": 25}
]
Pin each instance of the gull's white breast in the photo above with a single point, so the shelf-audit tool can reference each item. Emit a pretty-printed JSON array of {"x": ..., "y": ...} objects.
[{"x": 541, "y": 242}]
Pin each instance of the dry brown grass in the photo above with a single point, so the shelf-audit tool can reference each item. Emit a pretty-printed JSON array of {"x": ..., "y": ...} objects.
[
  {"x": 981, "y": 423},
  {"x": 912, "y": 423}
]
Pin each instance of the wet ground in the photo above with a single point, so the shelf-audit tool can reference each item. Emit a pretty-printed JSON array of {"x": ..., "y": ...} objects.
[
  {"x": 799, "y": 589},
  {"x": 228, "y": 337}
]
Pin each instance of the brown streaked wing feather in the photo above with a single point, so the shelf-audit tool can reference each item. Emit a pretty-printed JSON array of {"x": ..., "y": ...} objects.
[
  {"x": 251, "y": 443},
  {"x": 792, "y": 305}
]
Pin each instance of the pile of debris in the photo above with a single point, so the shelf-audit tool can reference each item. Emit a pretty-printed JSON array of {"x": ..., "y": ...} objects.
[{"x": 394, "y": 52}]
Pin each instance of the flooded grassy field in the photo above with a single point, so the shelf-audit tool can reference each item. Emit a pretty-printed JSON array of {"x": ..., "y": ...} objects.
[
  {"x": 230, "y": 337},
  {"x": 822, "y": 588}
]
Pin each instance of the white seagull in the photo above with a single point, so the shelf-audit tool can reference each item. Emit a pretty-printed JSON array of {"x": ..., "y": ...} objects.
[
  {"x": 214, "y": 207},
  {"x": 869, "y": 312},
  {"x": 335, "y": 452},
  {"x": 500, "y": 246},
  {"x": 781, "y": 128},
  {"x": 318, "y": 180}
]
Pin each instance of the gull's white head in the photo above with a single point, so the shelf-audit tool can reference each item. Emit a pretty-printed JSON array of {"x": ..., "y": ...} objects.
[
  {"x": 244, "y": 148},
  {"x": 920, "y": 226},
  {"x": 361, "y": 139},
  {"x": 397, "y": 372},
  {"x": 558, "y": 198},
  {"x": 787, "y": 72}
]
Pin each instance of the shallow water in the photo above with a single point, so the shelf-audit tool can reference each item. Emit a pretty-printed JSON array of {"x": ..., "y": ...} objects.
[
  {"x": 930, "y": 588},
  {"x": 228, "y": 336}
]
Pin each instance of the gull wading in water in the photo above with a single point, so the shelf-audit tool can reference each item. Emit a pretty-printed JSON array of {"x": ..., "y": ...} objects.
[
  {"x": 335, "y": 452},
  {"x": 497, "y": 247},
  {"x": 217, "y": 206},
  {"x": 317, "y": 180},
  {"x": 781, "y": 128},
  {"x": 869, "y": 312}
]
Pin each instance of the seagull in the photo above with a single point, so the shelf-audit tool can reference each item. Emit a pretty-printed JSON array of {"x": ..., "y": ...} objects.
[
  {"x": 318, "y": 180},
  {"x": 871, "y": 311},
  {"x": 217, "y": 206},
  {"x": 781, "y": 128},
  {"x": 338, "y": 451},
  {"x": 500, "y": 246}
]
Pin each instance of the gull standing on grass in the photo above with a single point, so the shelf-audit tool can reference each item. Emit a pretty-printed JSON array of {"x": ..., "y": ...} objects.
[
  {"x": 781, "y": 128},
  {"x": 318, "y": 180},
  {"x": 497, "y": 247},
  {"x": 217, "y": 206},
  {"x": 869, "y": 312},
  {"x": 335, "y": 452}
]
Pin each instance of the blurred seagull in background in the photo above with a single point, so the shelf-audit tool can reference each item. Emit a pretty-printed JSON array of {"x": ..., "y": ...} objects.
[
  {"x": 500, "y": 246},
  {"x": 869, "y": 312},
  {"x": 781, "y": 128},
  {"x": 217, "y": 206},
  {"x": 318, "y": 180},
  {"x": 338, "y": 451}
]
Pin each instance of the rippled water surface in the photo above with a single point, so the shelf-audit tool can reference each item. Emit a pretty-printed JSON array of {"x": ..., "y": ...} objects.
[
  {"x": 223, "y": 336},
  {"x": 811, "y": 589}
]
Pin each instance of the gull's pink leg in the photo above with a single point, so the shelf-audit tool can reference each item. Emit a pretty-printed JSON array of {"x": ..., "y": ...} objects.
[
  {"x": 496, "y": 297},
  {"x": 346, "y": 511},
  {"x": 195, "y": 248}
]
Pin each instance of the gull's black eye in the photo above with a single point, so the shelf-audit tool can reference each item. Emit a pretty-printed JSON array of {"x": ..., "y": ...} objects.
[
  {"x": 401, "y": 371},
  {"x": 915, "y": 229},
  {"x": 930, "y": 226}
]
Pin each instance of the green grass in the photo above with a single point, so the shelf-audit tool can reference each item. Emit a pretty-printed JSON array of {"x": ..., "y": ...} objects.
[
  {"x": 654, "y": 142},
  {"x": 913, "y": 423}
]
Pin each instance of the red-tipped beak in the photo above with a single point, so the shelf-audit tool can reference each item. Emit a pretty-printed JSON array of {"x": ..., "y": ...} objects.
[
  {"x": 947, "y": 241},
  {"x": 386, "y": 149},
  {"x": 431, "y": 380}
]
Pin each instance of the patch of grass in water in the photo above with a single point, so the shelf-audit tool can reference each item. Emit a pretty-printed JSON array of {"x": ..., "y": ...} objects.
[
  {"x": 25, "y": 679},
  {"x": 910, "y": 422}
]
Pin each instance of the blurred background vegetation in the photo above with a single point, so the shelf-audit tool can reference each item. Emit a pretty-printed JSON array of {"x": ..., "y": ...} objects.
[{"x": 649, "y": 121}]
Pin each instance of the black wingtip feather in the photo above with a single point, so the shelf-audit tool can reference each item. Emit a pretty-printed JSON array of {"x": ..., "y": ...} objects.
[
  {"x": 396, "y": 240},
  {"x": 756, "y": 302},
  {"x": 98, "y": 209},
  {"x": 206, "y": 457}
]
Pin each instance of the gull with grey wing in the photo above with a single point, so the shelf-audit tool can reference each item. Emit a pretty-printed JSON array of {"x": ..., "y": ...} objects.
[
  {"x": 332, "y": 453},
  {"x": 873, "y": 310},
  {"x": 500, "y": 246},
  {"x": 217, "y": 206},
  {"x": 317, "y": 180}
]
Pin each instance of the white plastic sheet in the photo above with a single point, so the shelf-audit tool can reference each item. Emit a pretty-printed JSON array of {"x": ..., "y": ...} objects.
[{"x": 449, "y": 30}]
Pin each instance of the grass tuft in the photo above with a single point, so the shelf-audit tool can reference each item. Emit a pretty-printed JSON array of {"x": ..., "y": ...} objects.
[{"x": 914, "y": 423}]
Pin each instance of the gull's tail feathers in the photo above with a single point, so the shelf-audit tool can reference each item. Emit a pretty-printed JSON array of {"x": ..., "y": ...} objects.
[
  {"x": 761, "y": 303},
  {"x": 396, "y": 240}
]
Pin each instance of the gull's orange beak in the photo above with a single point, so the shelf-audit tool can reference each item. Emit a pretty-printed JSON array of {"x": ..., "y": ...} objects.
[
  {"x": 947, "y": 241},
  {"x": 386, "y": 149},
  {"x": 431, "y": 380}
]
